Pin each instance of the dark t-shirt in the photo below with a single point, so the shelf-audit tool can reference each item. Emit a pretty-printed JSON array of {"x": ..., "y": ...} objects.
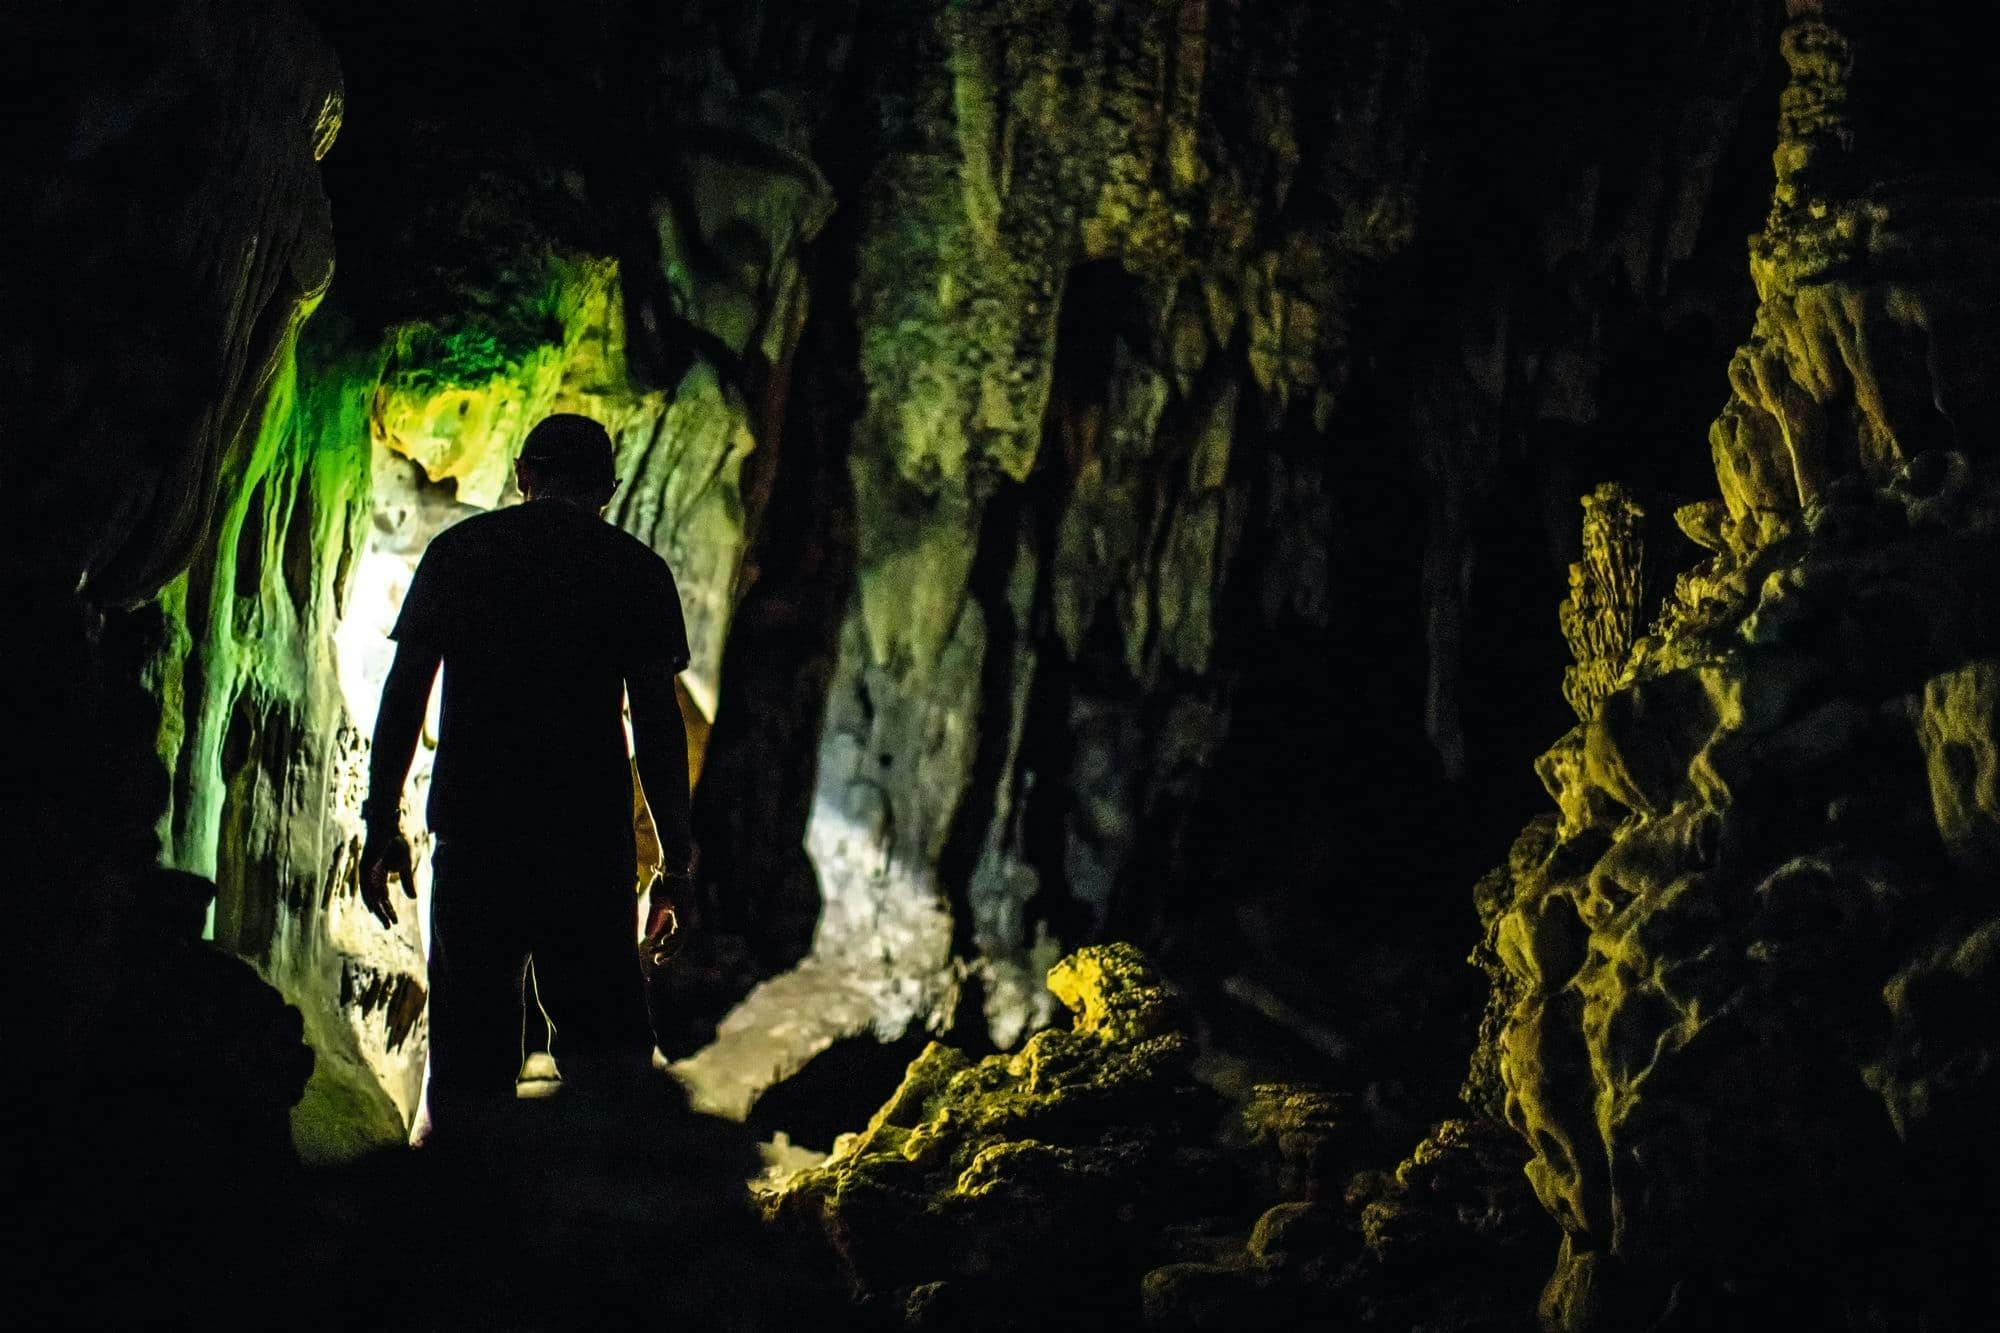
[{"x": 541, "y": 611}]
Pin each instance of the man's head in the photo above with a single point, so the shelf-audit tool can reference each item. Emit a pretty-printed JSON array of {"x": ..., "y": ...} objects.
[{"x": 567, "y": 457}]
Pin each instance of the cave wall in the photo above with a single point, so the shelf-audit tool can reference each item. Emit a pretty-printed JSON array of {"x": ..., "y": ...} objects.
[
  {"x": 1118, "y": 474},
  {"x": 1115, "y": 455},
  {"x": 1743, "y": 975},
  {"x": 1077, "y": 404},
  {"x": 401, "y": 411},
  {"x": 177, "y": 238},
  {"x": 1052, "y": 411},
  {"x": 171, "y": 237},
  {"x": 177, "y": 302},
  {"x": 1087, "y": 483},
  {"x": 267, "y": 769}
]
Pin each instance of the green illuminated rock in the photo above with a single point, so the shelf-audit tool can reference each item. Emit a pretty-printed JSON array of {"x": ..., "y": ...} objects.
[{"x": 267, "y": 766}]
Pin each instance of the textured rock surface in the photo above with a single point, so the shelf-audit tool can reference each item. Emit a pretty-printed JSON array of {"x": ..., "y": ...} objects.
[
  {"x": 1108, "y": 264},
  {"x": 170, "y": 234},
  {"x": 1742, "y": 978},
  {"x": 1772, "y": 842},
  {"x": 1087, "y": 1177},
  {"x": 1053, "y": 164},
  {"x": 1444, "y": 1241},
  {"x": 1873, "y": 282},
  {"x": 1018, "y": 389},
  {"x": 1607, "y": 588},
  {"x": 1020, "y": 1187},
  {"x": 183, "y": 298},
  {"x": 496, "y": 300},
  {"x": 1104, "y": 446},
  {"x": 1083, "y": 523}
]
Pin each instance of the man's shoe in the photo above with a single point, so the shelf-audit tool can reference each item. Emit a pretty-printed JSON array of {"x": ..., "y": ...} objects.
[{"x": 539, "y": 1077}]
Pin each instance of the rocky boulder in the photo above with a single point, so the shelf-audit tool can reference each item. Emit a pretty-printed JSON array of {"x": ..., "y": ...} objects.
[
  {"x": 1745, "y": 1000},
  {"x": 1008, "y": 1189},
  {"x": 1744, "y": 978}
]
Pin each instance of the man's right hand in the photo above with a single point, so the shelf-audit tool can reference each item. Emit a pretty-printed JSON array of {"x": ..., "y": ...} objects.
[
  {"x": 384, "y": 855},
  {"x": 666, "y": 924}
]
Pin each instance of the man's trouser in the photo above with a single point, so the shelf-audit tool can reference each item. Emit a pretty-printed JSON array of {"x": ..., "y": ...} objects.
[{"x": 495, "y": 905}]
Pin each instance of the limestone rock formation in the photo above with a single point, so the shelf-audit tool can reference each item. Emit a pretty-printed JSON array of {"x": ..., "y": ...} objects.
[
  {"x": 1740, "y": 977},
  {"x": 1002, "y": 1192},
  {"x": 1441, "y": 1242},
  {"x": 1088, "y": 1177},
  {"x": 182, "y": 298},
  {"x": 1101, "y": 444},
  {"x": 170, "y": 234},
  {"x": 1601, "y": 616},
  {"x": 1715, "y": 1038},
  {"x": 1872, "y": 276},
  {"x": 1055, "y": 411},
  {"x": 1128, "y": 165},
  {"x": 1013, "y": 387}
]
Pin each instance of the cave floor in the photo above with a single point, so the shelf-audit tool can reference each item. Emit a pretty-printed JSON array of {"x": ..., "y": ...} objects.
[
  {"x": 618, "y": 1210},
  {"x": 606, "y": 1210}
]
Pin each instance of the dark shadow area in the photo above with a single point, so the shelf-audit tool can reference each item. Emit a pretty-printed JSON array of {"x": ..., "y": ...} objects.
[
  {"x": 1201, "y": 396},
  {"x": 614, "y": 1210},
  {"x": 837, "y": 1091}
]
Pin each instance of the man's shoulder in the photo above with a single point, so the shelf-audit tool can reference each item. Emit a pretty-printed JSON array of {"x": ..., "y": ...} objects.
[
  {"x": 631, "y": 548},
  {"x": 515, "y": 527},
  {"x": 546, "y": 526},
  {"x": 470, "y": 530}
]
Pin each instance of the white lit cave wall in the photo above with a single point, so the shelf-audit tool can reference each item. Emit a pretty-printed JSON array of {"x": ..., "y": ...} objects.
[
  {"x": 406, "y": 514},
  {"x": 882, "y": 962}
]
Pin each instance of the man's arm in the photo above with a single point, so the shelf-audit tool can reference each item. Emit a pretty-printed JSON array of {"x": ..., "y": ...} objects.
[
  {"x": 659, "y": 745},
  {"x": 659, "y": 748},
  {"x": 399, "y": 723}
]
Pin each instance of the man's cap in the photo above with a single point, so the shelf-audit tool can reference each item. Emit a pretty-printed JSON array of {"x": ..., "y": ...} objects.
[{"x": 570, "y": 445}]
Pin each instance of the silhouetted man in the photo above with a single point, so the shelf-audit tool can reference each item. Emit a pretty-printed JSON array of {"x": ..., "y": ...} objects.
[{"x": 543, "y": 615}]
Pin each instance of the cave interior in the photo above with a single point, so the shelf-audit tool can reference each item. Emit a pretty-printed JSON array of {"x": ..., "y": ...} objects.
[{"x": 1345, "y": 657}]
